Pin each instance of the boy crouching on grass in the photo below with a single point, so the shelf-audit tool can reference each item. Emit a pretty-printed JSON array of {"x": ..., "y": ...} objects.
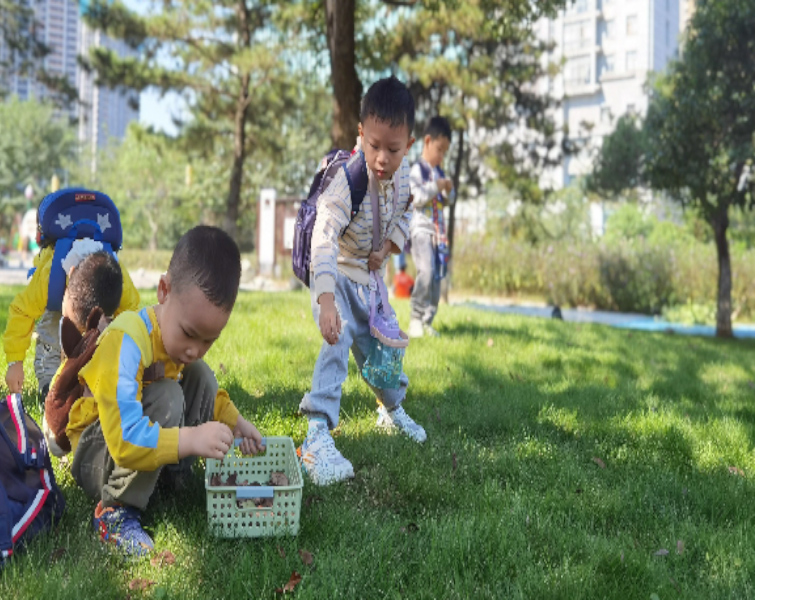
[{"x": 124, "y": 433}]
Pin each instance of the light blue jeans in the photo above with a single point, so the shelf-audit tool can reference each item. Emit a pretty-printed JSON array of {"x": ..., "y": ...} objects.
[{"x": 330, "y": 371}]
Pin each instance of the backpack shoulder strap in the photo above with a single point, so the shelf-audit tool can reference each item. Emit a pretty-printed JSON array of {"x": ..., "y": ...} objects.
[
  {"x": 358, "y": 179},
  {"x": 425, "y": 169}
]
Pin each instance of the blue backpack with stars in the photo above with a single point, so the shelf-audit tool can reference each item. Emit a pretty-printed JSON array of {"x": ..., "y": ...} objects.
[{"x": 73, "y": 214}]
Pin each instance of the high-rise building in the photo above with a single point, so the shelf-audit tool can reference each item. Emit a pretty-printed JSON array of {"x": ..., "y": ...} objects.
[
  {"x": 101, "y": 113},
  {"x": 608, "y": 48}
]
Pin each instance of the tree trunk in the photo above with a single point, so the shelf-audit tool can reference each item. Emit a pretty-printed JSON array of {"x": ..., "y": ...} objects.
[
  {"x": 347, "y": 89},
  {"x": 719, "y": 223},
  {"x": 239, "y": 131}
]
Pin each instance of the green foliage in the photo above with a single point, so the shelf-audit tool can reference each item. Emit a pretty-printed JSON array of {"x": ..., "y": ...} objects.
[
  {"x": 506, "y": 499},
  {"x": 35, "y": 143},
  {"x": 669, "y": 268},
  {"x": 230, "y": 62},
  {"x": 618, "y": 166}
]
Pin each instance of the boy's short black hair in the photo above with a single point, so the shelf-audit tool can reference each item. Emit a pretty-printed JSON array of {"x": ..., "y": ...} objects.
[
  {"x": 438, "y": 127},
  {"x": 208, "y": 258},
  {"x": 390, "y": 101},
  {"x": 96, "y": 281}
]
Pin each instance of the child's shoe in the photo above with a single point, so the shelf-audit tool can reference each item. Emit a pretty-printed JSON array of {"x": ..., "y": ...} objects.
[
  {"x": 430, "y": 331},
  {"x": 393, "y": 420},
  {"x": 120, "y": 525},
  {"x": 415, "y": 329},
  {"x": 320, "y": 459}
]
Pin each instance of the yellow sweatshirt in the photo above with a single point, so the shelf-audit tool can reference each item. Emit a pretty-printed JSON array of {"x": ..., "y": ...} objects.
[
  {"x": 30, "y": 304},
  {"x": 130, "y": 344}
]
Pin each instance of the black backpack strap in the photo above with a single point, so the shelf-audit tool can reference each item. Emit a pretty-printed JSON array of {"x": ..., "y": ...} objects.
[{"x": 358, "y": 180}]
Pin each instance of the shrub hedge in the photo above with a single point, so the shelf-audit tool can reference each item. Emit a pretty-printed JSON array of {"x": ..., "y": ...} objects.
[{"x": 641, "y": 275}]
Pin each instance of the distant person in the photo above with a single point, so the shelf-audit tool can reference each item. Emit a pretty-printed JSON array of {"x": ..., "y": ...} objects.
[
  {"x": 341, "y": 260},
  {"x": 125, "y": 435},
  {"x": 403, "y": 283},
  {"x": 41, "y": 300},
  {"x": 431, "y": 190}
]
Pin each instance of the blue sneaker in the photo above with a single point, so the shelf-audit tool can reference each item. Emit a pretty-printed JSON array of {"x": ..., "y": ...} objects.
[{"x": 120, "y": 525}]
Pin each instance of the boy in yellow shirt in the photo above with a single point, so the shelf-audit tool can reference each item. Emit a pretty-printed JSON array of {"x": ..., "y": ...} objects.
[{"x": 124, "y": 433}]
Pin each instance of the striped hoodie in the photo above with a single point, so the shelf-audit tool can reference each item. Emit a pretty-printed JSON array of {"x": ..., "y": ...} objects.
[{"x": 341, "y": 246}]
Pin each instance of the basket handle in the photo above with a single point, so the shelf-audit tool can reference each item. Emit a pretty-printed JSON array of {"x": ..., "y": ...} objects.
[{"x": 261, "y": 491}]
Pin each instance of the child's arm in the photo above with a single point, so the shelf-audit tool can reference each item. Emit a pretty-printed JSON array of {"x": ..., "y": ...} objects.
[
  {"x": 422, "y": 191},
  {"x": 333, "y": 215},
  {"x": 26, "y": 308}
]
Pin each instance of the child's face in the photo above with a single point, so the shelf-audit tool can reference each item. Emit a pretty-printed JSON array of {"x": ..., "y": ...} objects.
[
  {"x": 384, "y": 146},
  {"x": 434, "y": 150},
  {"x": 190, "y": 323}
]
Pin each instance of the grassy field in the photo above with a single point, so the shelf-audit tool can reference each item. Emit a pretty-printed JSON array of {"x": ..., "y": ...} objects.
[{"x": 563, "y": 461}]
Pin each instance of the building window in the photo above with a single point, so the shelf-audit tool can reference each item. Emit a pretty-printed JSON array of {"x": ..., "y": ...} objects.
[
  {"x": 608, "y": 63},
  {"x": 630, "y": 25},
  {"x": 631, "y": 109},
  {"x": 577, "y": 36},
  {"x": 581, "y": 6},
  {"x": 605, "y": 114},
  {"x": 630, "y": 60},
  {"x": 611, "y": 29},
  {"x": 578, "y": 72}
]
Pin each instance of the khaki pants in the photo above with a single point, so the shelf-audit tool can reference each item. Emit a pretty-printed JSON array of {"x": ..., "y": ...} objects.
[{"x": 166, "y": 402}]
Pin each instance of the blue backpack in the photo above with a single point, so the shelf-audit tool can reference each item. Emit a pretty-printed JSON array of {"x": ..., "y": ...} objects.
[
  {"x": 30, "y": 500},
  {"x": 68, "y": 215},
  {"x": 357, "y": 178}
]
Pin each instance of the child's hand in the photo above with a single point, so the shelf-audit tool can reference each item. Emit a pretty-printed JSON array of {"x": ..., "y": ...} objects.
[
  {"x": 15, "y": 375},
  {"x": 445, "y": 185},
  {"x": 251, "y": 437},
  {"x": 376, "y": 259},
  {"x": 330, "y": 323},
  {"x": 209, "y": 440}
]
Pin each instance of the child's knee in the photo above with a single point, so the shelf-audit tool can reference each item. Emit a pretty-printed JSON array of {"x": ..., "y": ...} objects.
[{"x": 162, "y": 403}]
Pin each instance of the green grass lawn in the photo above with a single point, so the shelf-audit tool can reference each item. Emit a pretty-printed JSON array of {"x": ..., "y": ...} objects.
[{"x": 563, "y": 461}]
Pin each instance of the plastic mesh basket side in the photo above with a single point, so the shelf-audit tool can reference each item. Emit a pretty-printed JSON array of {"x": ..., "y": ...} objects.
[{"x": 226, "y": 519}]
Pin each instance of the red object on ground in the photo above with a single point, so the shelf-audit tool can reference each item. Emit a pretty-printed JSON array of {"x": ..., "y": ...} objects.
[{"x": 403, "y": 282}]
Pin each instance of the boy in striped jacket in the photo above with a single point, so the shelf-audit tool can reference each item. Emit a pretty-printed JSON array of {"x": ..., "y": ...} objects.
[{"x": 341, "y": 259}]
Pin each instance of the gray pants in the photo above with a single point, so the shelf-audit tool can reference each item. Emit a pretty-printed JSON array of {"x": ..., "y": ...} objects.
[
  {"x": 427, "y": 289},
  {"x": 47, "y": 357},
  {"x": 166, "y": 402},
  {"x": 330, "y": 370}
]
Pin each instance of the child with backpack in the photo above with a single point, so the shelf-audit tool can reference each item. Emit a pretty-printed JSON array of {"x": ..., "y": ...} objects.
[
  {"x": 430, "y": 189},
  {"x": 72, "y": 223},
  {"x": 346, "y": 246},
  {"x": 94, "y": 289}
]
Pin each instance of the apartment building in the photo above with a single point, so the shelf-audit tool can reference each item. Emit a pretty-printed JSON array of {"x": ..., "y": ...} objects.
[
  {"x": 608, "y": 48},
  {"x": 101, "y": 113}
]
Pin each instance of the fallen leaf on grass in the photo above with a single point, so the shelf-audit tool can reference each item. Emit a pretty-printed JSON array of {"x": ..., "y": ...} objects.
[
  {"x": 306, "y": 557},
  {"x": 291, "y": 584},
  {"x": 140, "y": 584},
  {"x": 281, "y": 552},
  {"x": 622, "y": 557},
  {"x": 455, "y": 463},
  {"x": 680, "y": 547},
  {"x": 736, "y": 471},
  {"x": 312, "y": 499},
  {"x": 490, "y": 342},
  {"x": 661, "y": 552},
  {"x": 599, "y": 462},
  {"x": 222, "y": 369},
  {"x": 57, "y": 554},
  {"x": 410, "y": 528},
  {"x": 165, "y": 557}
]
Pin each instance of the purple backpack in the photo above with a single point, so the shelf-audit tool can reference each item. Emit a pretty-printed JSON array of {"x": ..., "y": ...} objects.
[{"x": 355, "y": 169}]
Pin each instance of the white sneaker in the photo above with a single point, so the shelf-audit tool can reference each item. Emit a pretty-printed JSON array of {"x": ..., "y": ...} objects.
[
  {"x": 415, "y": 329},
  {"x": 397, "y": 419},
  {"x": 430, "y": 331},
  {"x": 320, "y": 459}
]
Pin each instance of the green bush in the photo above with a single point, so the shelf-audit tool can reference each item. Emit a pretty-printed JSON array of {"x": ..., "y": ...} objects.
[{"x": 670, "y": 268}]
